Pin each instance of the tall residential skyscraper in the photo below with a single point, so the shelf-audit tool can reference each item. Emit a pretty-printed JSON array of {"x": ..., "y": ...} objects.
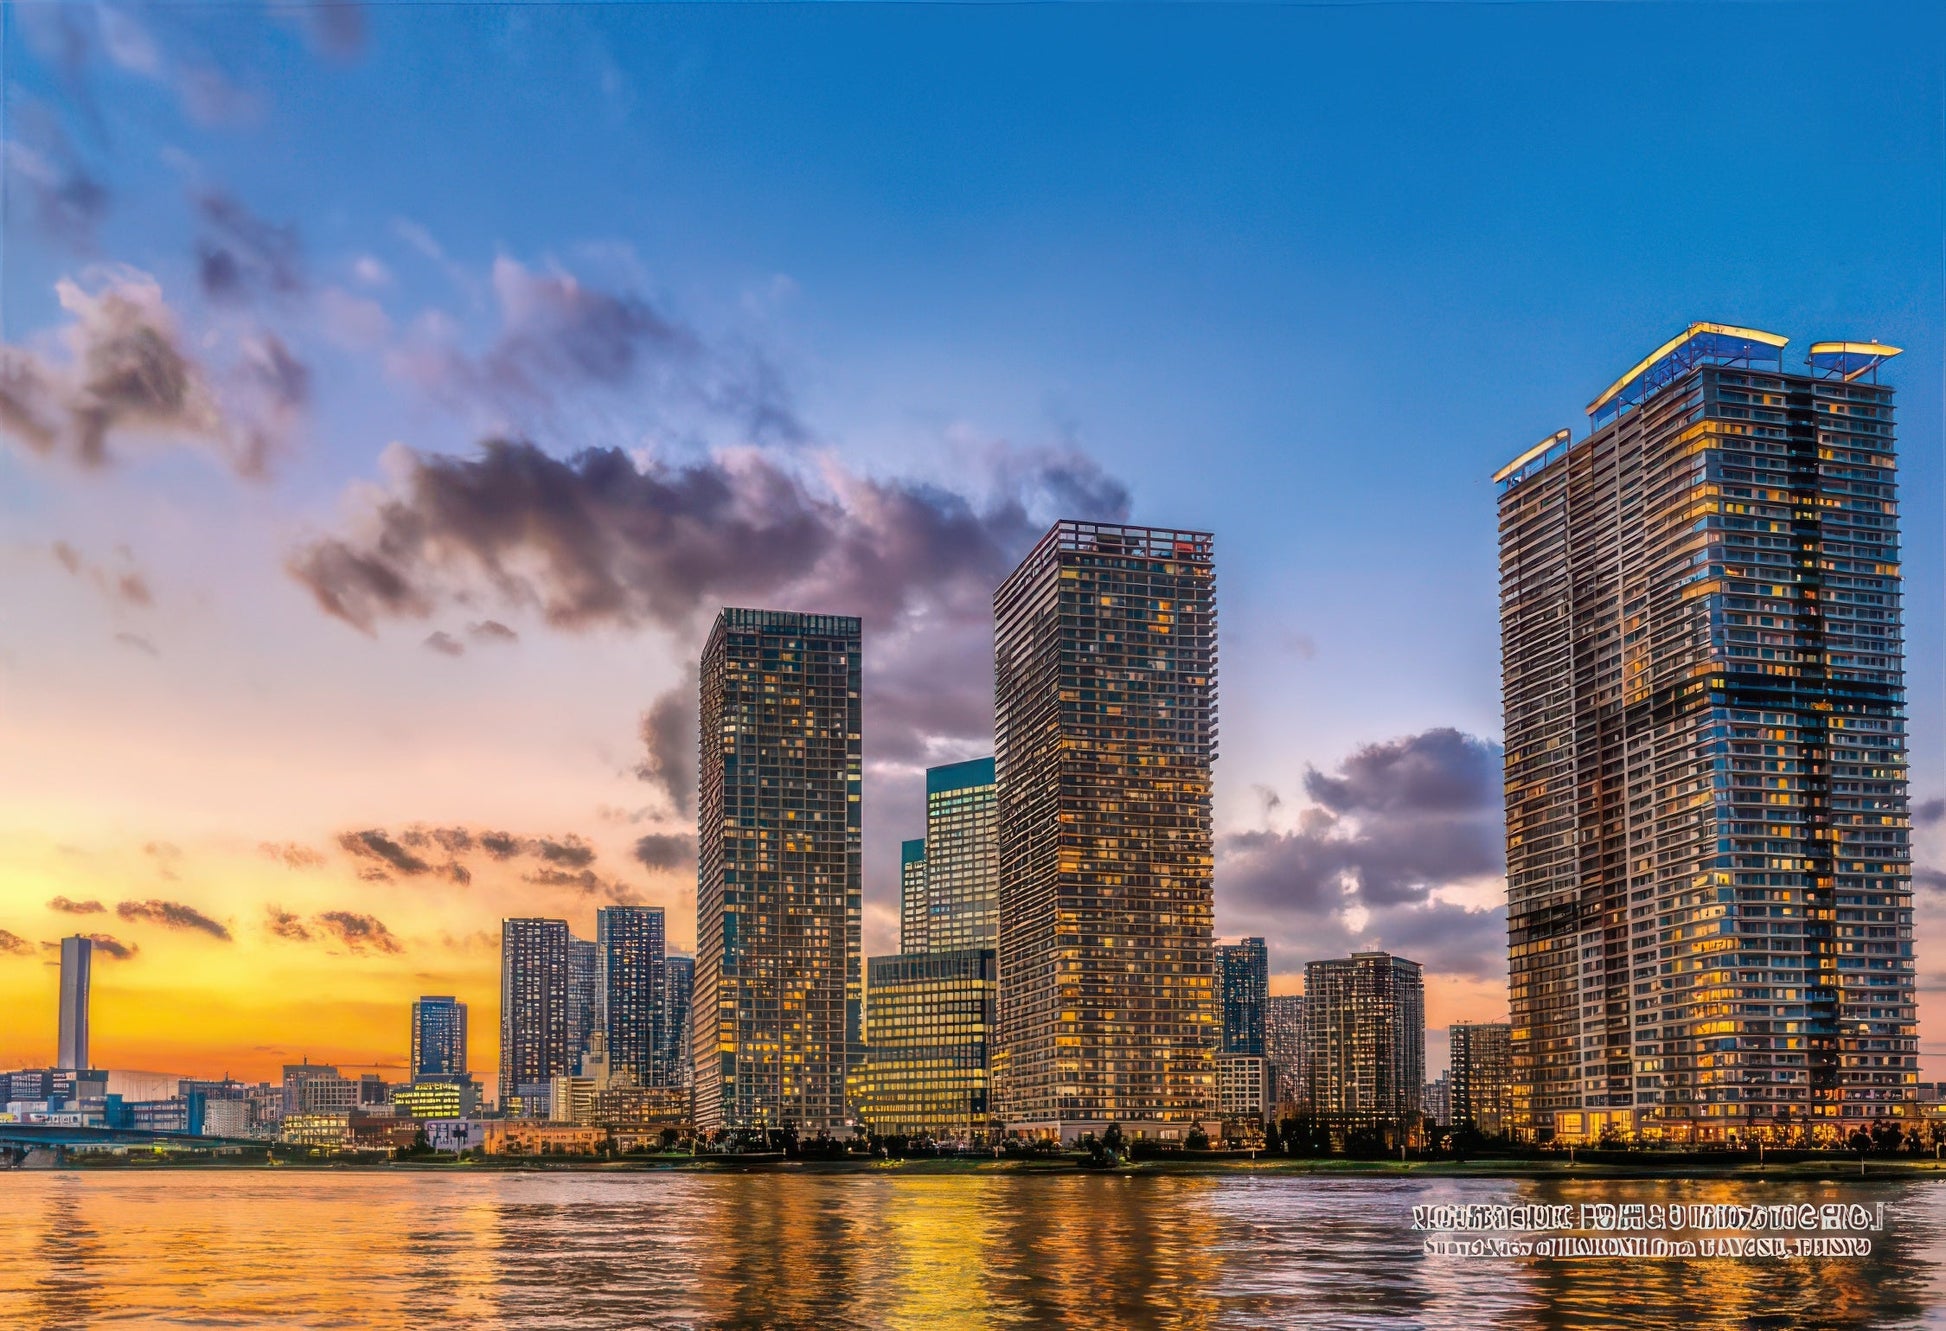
[
  {"x": 533, "y": 1008},
  {"x": 1284, "y": 1046},
  {"x": 438, "y": 1039},
  {"x": 583, "y": 962},
  {"x": 1105, "y": 730},
  {"x": 77, "y": 960},
  {"x": 912, "y": 896},
  {"x": 1481, "y": 1081},
  {"x": 629, "y": 992},
  {"x": 1708, "y": 870},
  {"x": 778, "y": 987},
  {"x": 1243, "y": 972},
  {"x": 962, "y": 849},
  {"x": 1365, "y": 1040},
  {"x": 679, "y": 981}
]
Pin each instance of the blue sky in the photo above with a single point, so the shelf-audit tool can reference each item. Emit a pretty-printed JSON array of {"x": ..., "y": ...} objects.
[{"x": 1301, "y": 275}]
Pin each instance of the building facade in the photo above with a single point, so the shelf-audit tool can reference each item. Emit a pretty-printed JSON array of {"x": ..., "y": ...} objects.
[
  {"x": 1481, "y": 1078},
  {"x": 912, "y": 895},
  {"x": 1708, "y": 863},
  {"x": 1436, "y": 1101},
  {"x": 1365, "y": 1041},
  {"x": 778, "y": 986},
  {"x": 1245, "y": 1088},
  {"x": 928, "y": 1020},
  {"x": 583, "y": 1003},
  {"x": 1243, "y": 975},
  {"x": 631, "y": 982},
  {"x": 1284, "y": 1046},
  {"x": 77, "y": 961},
  {"x": 439, "y": 1050},
  {"x": 534, "y": 1017},
  {"x": 962, "y": 852},
  {"x": 678, "y": 983},
  {"x": 1105, "y": 733}
]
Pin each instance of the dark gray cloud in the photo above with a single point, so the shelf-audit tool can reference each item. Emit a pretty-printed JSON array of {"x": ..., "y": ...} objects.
[
  {"x": 172, "y": 915},
  {"x": 65, "y": 906},
  {"x": 500, "y": 845},
  {"x": 569, "y": 852},
  {"x": 1395, "y": 822},
  {"x": 662, "y": 851},
  {"x": 127, "y": 373},
  {"x": 1927, "y": 812},
  {"x": 13, "y": 945},
  {"x": 374, "y": 844},
  {"x": 491, "y": 631},
  {"x": 358, "y": 933},
  {"x": 109, "y": 946},
  {"x": 669, "y": 738},
  {"x": 280, "y": 923},
  {"x": 444, "y": 643},
  {"x": 1927, "y": 879},
  {"x": 239, "y": 255}
]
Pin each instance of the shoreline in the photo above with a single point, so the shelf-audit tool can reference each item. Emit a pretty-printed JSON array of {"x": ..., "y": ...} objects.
[{"x": 1834, "y": 1170}]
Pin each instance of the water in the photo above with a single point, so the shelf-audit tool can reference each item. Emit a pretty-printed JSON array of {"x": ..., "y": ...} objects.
[{"x": 579, "y": 1250}]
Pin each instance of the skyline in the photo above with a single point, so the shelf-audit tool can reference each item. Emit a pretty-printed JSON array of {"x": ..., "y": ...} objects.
[{"x": 175, "y": 709}]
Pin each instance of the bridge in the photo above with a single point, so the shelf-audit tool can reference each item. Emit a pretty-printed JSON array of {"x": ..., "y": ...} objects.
[{"x": 46, "y": 1145}]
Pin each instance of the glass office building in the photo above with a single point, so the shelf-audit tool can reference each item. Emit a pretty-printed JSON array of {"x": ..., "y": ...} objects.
[
  {"x": 928, "y": 1018},
  {"x": 778, "y": 986},
  {"x": 1105, "y": 732},
  {"x": 1243, "y": 974},
  {"x": 438, "y": 1039},
  {"x": 912, "y": 895},
  {"x": 1708, "y": 862},
  {"x": 962, "y": 851}
]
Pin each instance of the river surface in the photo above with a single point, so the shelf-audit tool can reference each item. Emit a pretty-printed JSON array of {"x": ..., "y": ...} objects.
[{"x": 579, "y": 1250}]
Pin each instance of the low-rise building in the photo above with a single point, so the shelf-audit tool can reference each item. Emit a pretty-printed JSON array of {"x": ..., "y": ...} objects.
[{"x": 1245, "y": 1089}]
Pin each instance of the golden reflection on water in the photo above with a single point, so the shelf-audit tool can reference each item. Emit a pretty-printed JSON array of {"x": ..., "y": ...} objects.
[{"x": 889, "y": 1249}]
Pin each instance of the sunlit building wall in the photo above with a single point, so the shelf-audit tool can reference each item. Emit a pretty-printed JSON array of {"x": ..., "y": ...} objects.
[
  {"x": 928, "y": 1020},
  {"x": 1105, "y": 730},
  {"x": 1709, "y": 878},
  {"x": 778, "y": 986}
]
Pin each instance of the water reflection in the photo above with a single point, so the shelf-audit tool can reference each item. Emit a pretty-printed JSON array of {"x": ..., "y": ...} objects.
[{"x": 891, "y": 1249}]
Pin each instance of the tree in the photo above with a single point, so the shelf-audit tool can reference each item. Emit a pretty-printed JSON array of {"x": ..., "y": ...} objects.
[{"x": 1198, "y": 1140}]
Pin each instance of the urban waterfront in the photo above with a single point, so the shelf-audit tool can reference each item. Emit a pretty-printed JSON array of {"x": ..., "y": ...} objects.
[{"x": 385, "y": 1249}]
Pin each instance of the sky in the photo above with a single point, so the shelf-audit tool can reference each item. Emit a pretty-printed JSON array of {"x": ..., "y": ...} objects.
[{"x": 391, "y": 396}]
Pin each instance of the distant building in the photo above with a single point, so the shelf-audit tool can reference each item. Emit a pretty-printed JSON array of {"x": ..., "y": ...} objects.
[
  {"x": 1482, "y": 1075},
  {"x": 77, "y": 955},
  {"x": 325, "y": 1130},
  {"x": 582, "y": 1004},
  {"x": 1243, "y": 971},
  {"x": 534, "y": 1020},
  {"x": 1105, "y": 733},
  {"x": 962, "y": 858},
  {"x": 437, "y": 1099},
  {"x": 317, "y": 1088},
  {"x": 778, "y": 984},
  {"x": 438, "y": 1039},
  {"x": 928, "y": 1018},
  {"x": 1709, "y": 865},
  {"x": 679, "y": 981},
  {"x": 630, "y": 991},
  {"x": 1284, "y": 1046},
  {"x": 228, "y": 1118},
  {"x": 1436, "y": 1102},
  {"x": 912, "y": 895},
  {"x": 1245, "y": 1087},
  {"x": 1365, "y": 1040}
]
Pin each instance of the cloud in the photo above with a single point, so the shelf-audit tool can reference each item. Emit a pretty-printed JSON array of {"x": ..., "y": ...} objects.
[
  {"x": 561, "y": 339},
  {"x": 669, "y": 738},
  {"x": 172, "y": 915},
  {"x": 1400, "y": 849},
  {"x": 375, "y": 845},
  {"x": 570, "y": 852},
  {"x": 67, "y": 198},
  {"x": 124, "y": 372},
  {"x": 290, "y": 854},
  {"x": 110, "y": 946},
  {"x": 240, "y": 255},
  {"x": 124, "y": 586},
  {"x": 280, "y": 923},
  {"x": 1925, "y": 879},
  {"x": 138, "y": 642},
  {"x": 491, "y": 630},
  {"x": 444, "y": 643},
  {"x": 12, "y": 944},
  {"x": 65, "y": 906},
  {"x": 1927, "y": 812},
  {"x": 662, "y": 851},
  {"x": 358, "y": 933},
  {"x": 500, "y": 845}
]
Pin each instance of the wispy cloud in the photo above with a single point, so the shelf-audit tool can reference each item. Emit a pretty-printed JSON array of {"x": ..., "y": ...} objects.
[{"x": 172, "y": 915}]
